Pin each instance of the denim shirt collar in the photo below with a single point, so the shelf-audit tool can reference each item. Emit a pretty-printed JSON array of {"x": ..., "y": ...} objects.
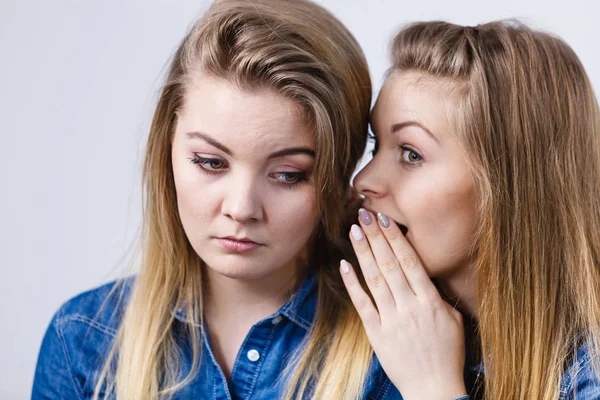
[{"x": 300, "y": 307}]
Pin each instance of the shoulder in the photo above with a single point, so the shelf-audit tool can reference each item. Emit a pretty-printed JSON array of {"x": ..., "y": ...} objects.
[
  {"x": 581, "y": 380},
  {"x": 101, "y": 308},
  {"x": 78, "y": 340}
]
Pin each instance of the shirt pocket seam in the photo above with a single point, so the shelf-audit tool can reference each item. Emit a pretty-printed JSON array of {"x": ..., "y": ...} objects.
[
  {"x": 90, "y": 322},
  {"x": 63, "y": 343}
]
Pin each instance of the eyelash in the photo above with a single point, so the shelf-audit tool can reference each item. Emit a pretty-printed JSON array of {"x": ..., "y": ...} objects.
[
  {"x": 299, "y": 177},
  {"x": 201, "y": 163},
  {"x": 405, "y": 149},
  {"x": 402, "y": 148}
]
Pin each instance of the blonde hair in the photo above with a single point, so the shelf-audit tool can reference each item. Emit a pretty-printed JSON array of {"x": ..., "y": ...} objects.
[
  {"x": 530, "y": 126},
  {"x": 302, "y": 52}
]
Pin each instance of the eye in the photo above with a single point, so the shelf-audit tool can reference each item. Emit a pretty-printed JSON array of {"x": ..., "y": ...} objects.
[
  {"x": 289, "y": 178},
  {"x": 409, "y": 156},
  {"x": 208, "y": 164}
]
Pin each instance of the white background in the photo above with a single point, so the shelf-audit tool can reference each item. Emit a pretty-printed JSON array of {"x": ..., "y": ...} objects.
[{"x": 78, "y": 81}]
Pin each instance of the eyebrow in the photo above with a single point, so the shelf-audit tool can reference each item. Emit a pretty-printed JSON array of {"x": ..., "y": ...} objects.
[
  {"x": 292, "y": 151},
  {"x": 401, "y": 125},
  {"x": 280, "y": 153},
  {"x": 209, "y": 140}
]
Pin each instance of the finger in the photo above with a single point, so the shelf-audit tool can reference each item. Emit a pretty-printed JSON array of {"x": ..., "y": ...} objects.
[
  {"x": 453, "y": 312},
  {"x": 373, "y": 276},
  {"x": 386, "y": 260},
  {"x": 410, "y": 262},
  {"x": 361, "y": 300}
]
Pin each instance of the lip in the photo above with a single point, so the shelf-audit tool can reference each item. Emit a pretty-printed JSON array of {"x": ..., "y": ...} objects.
[{"x": 238, "y": 245}]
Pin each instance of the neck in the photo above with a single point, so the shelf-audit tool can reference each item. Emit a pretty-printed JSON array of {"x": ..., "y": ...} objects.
[
  {"x": 459, "y": 289},
  {"x": 240, "y": 300},
  {"x": 232, "y": 306}
]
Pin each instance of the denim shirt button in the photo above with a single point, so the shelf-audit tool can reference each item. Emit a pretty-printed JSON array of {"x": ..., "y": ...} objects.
[
  {"x": 276, "y": 320},
  {"x": 253, "y": 355}
]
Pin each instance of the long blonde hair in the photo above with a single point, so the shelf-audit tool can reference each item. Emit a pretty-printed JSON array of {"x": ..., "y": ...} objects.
[
  {"x": 302, "y": 52},
  {"x": 530, "y": 127}
]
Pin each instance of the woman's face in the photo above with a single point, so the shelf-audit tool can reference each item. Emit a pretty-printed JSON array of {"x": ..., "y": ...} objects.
[
  {"x": 419, "y": 176},
  {"x": 242, "y": 163}
]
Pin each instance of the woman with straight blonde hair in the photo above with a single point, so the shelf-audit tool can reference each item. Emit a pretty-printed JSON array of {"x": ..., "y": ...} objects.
[
  {"x": 485, "y": 177},
  {"x": 256, "y": 133}
]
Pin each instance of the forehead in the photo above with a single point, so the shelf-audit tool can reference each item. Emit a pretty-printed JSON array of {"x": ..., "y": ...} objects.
[
  {"x": 249, "y": 118},
  {"x": 416, "y": 96}
]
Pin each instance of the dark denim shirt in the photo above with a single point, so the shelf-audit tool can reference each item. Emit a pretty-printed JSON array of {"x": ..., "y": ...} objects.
[{"x": 81, "y": 333}]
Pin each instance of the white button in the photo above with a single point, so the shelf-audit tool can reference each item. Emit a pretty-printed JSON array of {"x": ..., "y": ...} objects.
[
  {"x": 253, "y": 355},
  {"x": 276, "y": 320}
]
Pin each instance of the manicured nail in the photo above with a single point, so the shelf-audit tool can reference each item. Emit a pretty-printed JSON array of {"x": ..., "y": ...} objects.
[
  {"x": 364, "y": 217},
  {"x": 345, "y": 266},
  {"x": 383, "y": 220},
  {"x": 356, "y": 232}
]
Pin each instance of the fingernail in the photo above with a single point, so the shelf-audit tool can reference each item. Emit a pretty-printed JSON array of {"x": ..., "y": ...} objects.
[
  {"x": 383, "y": 220},
  {"x": 364, "y": 217},
  {"x": 345, "y": 267},
  {"x": 356, "y": 232}
]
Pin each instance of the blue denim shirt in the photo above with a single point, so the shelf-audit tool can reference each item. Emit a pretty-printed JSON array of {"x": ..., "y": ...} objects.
[
  {"x": 81, "y": 333},
  {"x": 579, "y": 382}
]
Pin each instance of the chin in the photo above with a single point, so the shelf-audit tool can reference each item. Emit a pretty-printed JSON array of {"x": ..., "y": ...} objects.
[
  {"x": 239, "y": 269},
  {"x": 238, "y": 275}
]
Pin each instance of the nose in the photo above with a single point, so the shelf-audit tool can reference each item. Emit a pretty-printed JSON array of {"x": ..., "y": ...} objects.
[
  {"x": 242, "y": 202},
  {"x": 370, "y": 181}
]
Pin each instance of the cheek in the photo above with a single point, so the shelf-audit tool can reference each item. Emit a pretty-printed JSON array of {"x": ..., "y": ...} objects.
[
  {"x": 193, "y": 201},
  {"x": 441, "y": 218},
  {"x": 293, "y": 214}
]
